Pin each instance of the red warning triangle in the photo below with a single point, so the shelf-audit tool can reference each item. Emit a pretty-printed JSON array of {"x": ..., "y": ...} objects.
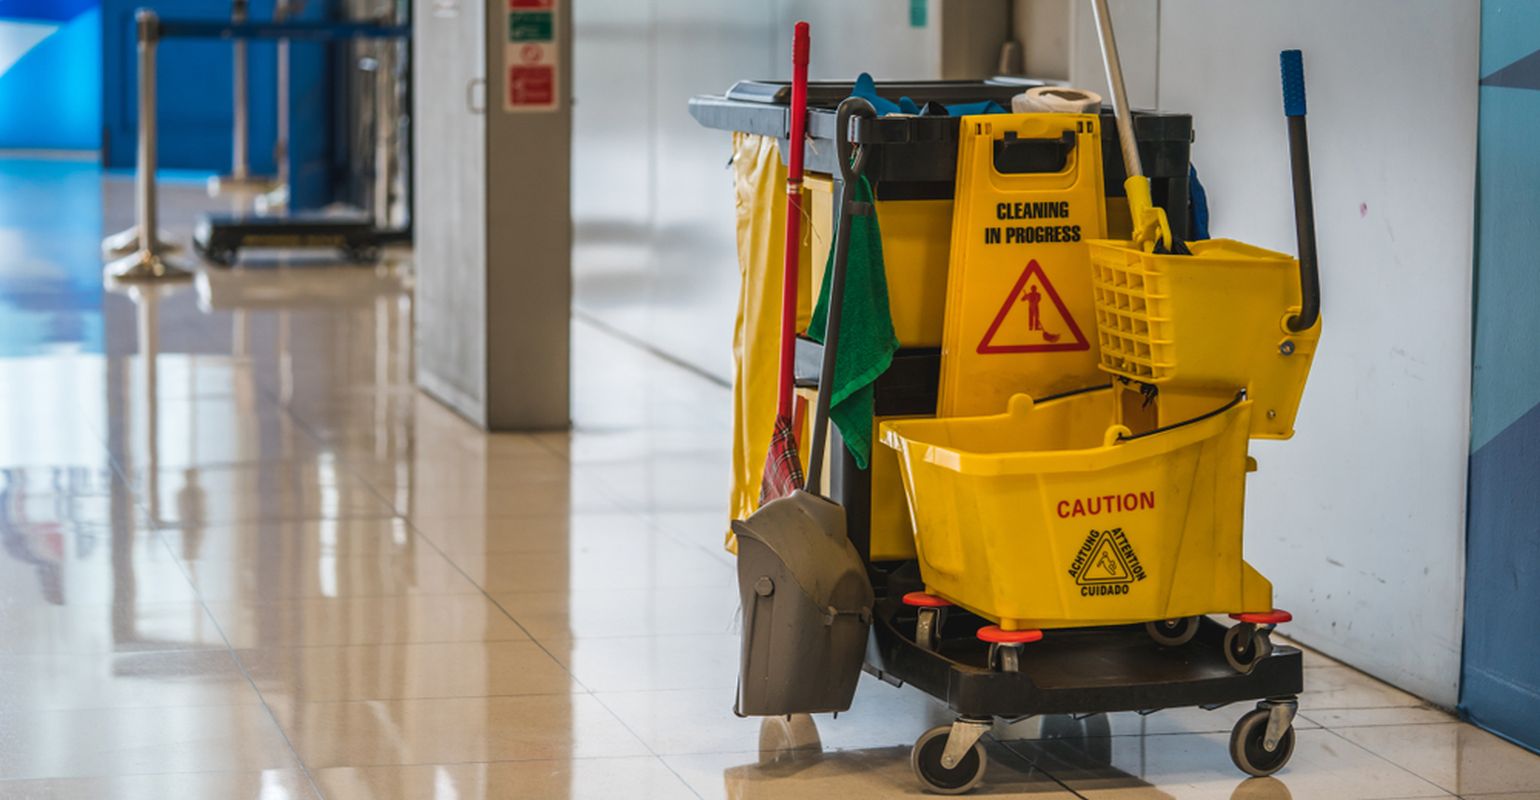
[{"x": 1036, "y": 326}]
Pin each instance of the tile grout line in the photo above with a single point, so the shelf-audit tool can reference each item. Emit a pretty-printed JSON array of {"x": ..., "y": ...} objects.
[
  {"x": 643, "y": 743},
  {"x": 564, "y": 668},
  {"x": 241, "y": 665},
  {"x": 1035, "y": 765},
  {"x": 155, "y": 528},
  {"x": 398, "y": 513},
  {"x": 593, "y": 321},
  {"x": 482, "y": 592},
  {"x": 609, "y": 494},
  {"x": 1393, "y": 764}
]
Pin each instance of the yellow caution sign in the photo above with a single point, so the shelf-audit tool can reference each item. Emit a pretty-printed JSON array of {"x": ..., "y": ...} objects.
[{"x": 1019, "y": 312}]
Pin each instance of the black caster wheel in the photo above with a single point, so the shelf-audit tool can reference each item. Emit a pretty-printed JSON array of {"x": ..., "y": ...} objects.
[
  {"x": 1248, "y": 746},
  {"x": 1172, "y": 632},
  {"x": 925, "y": 758},
  {"x": 1005, "y": 646},
  {"x": 1005, "y": 657},
  {"x": 927, "y": 629},
  {"x": 1246, "y": 646},
  {"x": 361, "y": 255},
  {"x": 223, "y": 258}
]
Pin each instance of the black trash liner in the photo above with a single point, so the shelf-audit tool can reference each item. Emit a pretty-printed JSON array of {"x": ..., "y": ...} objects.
[{"x": 918, "y": 159}]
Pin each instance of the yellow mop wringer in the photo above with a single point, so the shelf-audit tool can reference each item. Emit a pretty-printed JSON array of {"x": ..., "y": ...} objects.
[{"x": 1123, "y": 503}]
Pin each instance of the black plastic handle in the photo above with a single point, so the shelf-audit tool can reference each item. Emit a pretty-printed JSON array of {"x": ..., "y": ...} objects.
[
  {"x": 852, "y": 161},
  {"x": 1016, "y": 155},
  {"x": 1292, "y": 67},
  {"x": 844, "y": 141}
]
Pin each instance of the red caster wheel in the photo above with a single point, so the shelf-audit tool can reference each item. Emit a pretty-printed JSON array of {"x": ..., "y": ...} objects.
[
  {"x": 931, "y": 613},
  {"x": 1275, "y": 617},
  {"x": 1005, "y": 646},
  {"x": 1249, "y": 642}
]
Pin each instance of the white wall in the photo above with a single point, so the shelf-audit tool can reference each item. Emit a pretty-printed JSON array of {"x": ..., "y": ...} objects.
[
  {"x": 1043, "y": 30},
  {"x": 1135, "y": 23},
  {"x": 652, "y": 198},
  {"x": 1360, "y": 519}
]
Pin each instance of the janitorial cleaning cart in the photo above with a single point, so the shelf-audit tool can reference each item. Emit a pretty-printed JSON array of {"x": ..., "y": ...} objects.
[{"x": 1032, "y": 498}]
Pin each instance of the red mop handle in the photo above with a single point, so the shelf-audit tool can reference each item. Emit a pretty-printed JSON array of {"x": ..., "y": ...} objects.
[{"x": 799, "y": 48}]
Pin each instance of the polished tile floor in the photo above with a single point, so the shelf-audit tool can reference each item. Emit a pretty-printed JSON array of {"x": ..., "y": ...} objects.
[{"x": 244, "y": 558}]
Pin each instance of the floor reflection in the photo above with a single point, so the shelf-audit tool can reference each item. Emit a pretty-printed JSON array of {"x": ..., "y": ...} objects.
[
  {"x": 241, "y": 556},
  {"x": 50, "y": 286}
]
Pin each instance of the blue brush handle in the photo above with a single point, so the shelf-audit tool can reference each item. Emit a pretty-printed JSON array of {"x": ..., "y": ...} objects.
[{"x": 1293, "y": 68}]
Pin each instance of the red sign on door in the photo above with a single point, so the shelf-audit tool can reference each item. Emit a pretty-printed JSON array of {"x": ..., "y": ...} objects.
[
  {"x": 533, "y": 85},
  {"x": 531, "y": 56}
]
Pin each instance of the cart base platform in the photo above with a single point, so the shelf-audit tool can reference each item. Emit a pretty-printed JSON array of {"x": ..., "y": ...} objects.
[{"x": 1072, "y": 671}]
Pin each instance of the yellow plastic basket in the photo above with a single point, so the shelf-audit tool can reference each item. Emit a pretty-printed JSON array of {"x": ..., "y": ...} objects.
[
  {"x": 1052, "y": 516},
  {"x": 1202, "y": 326}
]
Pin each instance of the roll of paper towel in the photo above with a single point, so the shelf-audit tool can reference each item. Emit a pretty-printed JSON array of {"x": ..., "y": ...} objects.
[{"x": 1056, "y": 99}]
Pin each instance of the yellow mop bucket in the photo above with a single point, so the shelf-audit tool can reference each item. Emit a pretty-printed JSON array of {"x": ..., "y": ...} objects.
[
  {"x": 1202, "y": 326},
  {"x": 1052, "y": 515}
]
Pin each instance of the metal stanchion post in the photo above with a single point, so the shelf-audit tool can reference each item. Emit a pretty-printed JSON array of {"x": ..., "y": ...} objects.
[
  {"x": 240, "y": 177},
  {"x": 147, "y": 262},
  {"x": 238, "y": 155},
  {"x": 277, "y": 199}
]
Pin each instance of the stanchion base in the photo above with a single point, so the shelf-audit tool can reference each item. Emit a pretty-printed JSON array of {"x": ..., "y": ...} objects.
[
  {"x": 241, "y": 185},
  {"x": 126, "y": 242},
  {"x": 144, "y": 266},
  {"x": 273, "y": 202}
]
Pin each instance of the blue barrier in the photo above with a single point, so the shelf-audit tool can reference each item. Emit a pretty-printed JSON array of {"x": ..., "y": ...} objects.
[{"x": 300, "y": 30}]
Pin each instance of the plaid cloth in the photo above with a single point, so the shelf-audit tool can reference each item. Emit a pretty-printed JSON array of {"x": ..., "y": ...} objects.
[{"x": 783, "y": 466}]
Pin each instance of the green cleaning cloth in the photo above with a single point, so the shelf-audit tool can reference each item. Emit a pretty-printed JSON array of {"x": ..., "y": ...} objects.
[{"x": 866, "y": 341}]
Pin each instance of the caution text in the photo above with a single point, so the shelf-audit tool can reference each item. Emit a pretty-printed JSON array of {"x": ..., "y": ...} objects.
[{"x": 1106, "y": 504}]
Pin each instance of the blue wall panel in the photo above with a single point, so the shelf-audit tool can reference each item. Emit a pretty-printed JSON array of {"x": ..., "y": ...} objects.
[
  {"x": 1500, "y": 677},
  {"x": 1500, "y": 682},
  {"x": 50, "y": 93}
]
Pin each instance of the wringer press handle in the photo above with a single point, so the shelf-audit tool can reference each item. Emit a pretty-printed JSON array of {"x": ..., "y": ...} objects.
[{"x": 1292, "y": 66}]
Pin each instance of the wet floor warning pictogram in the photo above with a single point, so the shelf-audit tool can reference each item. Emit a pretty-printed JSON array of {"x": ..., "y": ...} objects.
[
  {"x": 1106, "y": 559},
  {"x": 1033, "y": 319},
  {"x": 1105, "y": 565}
]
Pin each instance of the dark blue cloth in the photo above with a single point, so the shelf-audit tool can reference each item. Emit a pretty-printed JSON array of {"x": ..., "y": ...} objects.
[
  {"x": 866, "y": 88},
  {"x": 984, "y": 107},
  {"x": 1197, "y": 198}
]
